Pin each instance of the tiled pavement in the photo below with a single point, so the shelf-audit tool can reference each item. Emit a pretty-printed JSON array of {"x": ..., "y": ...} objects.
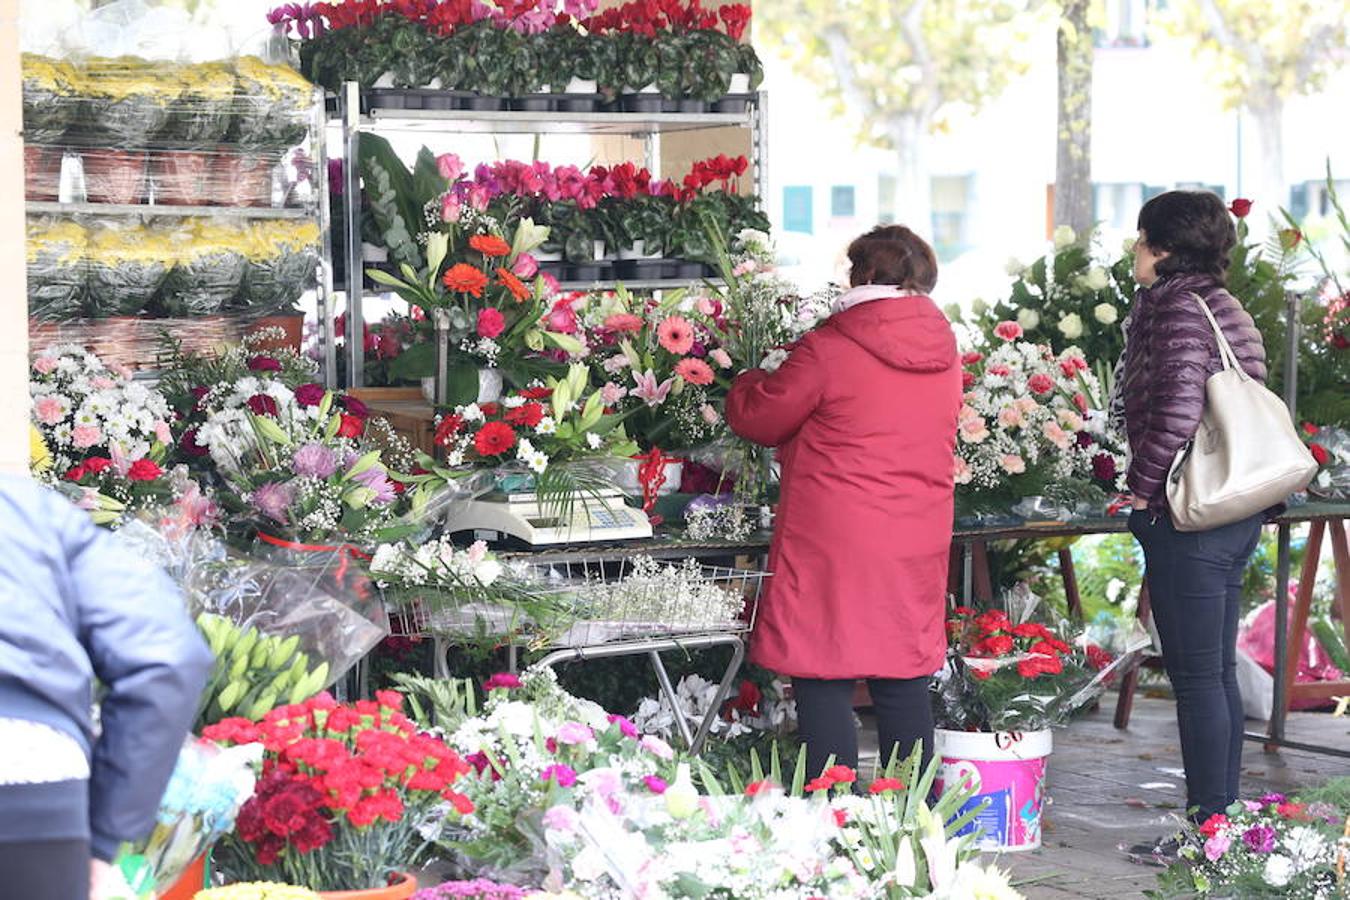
[{"x": 1107, "y": 787}]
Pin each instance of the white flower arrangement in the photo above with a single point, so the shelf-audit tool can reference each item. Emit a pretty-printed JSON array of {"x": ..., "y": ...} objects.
[{"x": 667, "y": 593}]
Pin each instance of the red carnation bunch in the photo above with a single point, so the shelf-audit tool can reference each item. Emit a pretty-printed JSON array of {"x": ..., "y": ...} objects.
[{"x": 337, "y": 778}]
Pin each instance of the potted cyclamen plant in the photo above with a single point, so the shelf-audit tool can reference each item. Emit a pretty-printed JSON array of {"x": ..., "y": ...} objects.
[{"x": 343, "y": 794}]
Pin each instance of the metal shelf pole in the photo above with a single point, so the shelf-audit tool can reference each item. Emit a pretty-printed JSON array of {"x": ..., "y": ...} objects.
[
  {"x": 324, "y": 304},
  {"x": 350, "y": 105}
]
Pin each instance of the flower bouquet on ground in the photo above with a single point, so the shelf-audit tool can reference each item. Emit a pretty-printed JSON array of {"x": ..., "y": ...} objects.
[
  {"x": 108, "y": 437},
  {"x": 207, "y": 789},
  {"x": 1024, "y": 429},
  {"x": 1275, "y": 846},
  {"x": 1011, "y": 671},
  {"x": 344, "y": 794}
]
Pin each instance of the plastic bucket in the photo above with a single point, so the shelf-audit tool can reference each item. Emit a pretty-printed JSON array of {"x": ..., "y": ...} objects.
[{"x": 1007, "y": 769}]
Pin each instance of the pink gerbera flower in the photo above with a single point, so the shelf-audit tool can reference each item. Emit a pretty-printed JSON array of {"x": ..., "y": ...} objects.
[
  {"x": 676, "y": 335},
  {"x": 694, "y": 371}
]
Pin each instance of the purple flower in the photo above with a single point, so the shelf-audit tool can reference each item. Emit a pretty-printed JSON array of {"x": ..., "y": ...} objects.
[
  {"x": 309, "y": 394},
  {"x": 378, "y": 481},
  {"x": 272, "y": 500},
  {"x": 1272, "y": 799},
  {"x": 1260, "y": 838},
  {"x": 656, "y": 784},
  {"x": 478, "y": 889},
  {"x": 565, "y": 776},
  {"x": 625, "y": 726},
  {"x": 314, "y": 461}
]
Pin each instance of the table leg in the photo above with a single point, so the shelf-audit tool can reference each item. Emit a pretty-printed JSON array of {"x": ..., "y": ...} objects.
[
  {"x": 663, "y": 679},
  {"x": 1341, "y": 553},
  {"x": 1307, "y": 581},
  {"x": 723, "y": 692},
  {"x": 1129, "y": 682},
  {"x": 1275, "y": 730},
  {"x": 1070, "y": 576}
]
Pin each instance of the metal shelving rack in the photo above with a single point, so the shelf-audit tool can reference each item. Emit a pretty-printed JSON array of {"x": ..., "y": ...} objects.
[{"x": 647, "y": 126}]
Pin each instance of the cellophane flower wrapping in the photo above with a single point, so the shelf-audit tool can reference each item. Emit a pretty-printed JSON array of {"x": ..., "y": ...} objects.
[
  {"x": 210, "y": 268},
  {"x": 210, "y": 784},
  {"x": 328, "y": 605},
  {"x": 1332, "y": 481},
  {"x": 56, "y": 269},
  {"x": 1025, "y": 669}
]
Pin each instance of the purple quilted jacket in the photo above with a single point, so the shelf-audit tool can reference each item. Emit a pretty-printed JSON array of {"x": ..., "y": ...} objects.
[{"x": 1170, "y": 354}]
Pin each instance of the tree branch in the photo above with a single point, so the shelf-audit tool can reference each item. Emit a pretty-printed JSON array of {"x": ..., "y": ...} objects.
[
  {"x": 911, "y": 26},
  {"x": 836, "y": 41}
]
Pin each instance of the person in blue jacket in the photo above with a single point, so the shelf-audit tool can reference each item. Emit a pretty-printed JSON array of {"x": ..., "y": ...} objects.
[{"x": 77, "y": 609}]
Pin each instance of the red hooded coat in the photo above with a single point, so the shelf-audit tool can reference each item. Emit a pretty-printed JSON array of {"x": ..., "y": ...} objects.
[{"x": 863, "y": 414}]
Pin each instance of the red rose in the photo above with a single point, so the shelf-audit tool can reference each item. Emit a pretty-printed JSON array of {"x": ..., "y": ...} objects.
[
  {"x": 75, "y": 473},
  {"x": 262, "y": 405},
  {"x": 309, "y": 394},
  {"x": 144, "y": 470},
  {"x": 1240, "y": 207},
  {"x": 351, "y": 426},
  {"x": 264, "y": 364},
  {"x": 527, "y": 415},
  {"x": 1319, "y": 453},
  {"x": 491, "y": 323},
  {"x": 494, "y": 439},
  {"x": 1040, "y": 383}
]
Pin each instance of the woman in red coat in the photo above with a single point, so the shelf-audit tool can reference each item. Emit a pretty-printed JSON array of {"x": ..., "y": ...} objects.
[{"x": 863, "y": 414}]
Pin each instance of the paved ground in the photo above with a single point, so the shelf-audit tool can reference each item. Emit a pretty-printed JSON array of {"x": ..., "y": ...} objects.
[{"x": 1109, "y": 787}]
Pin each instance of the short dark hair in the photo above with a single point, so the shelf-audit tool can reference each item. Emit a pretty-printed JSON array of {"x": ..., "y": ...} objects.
[
  {"x": 1194, "y": 227},
  {"x": 892, "y": 254}
]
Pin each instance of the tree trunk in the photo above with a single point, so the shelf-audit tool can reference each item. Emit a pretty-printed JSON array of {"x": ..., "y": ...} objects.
[
  {"x": 1073, "y": 158},
  {"x": 913, "y": 184},
  {"x": 1271, "y": 191}
]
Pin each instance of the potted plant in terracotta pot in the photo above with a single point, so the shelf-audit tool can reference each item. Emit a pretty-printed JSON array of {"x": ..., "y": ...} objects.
[{"x": 341, "y": 797}]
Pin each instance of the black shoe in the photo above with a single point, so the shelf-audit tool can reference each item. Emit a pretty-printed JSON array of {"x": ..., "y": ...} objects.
[{"x": 1164, "y": 852}]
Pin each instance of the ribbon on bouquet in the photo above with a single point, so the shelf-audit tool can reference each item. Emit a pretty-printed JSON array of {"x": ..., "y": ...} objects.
[
  {"x": 652, "y": 477},
  {"x": 346, "y": 553}
]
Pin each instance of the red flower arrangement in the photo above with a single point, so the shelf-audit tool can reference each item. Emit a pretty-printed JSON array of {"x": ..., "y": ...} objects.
[
  {"x": 1016, "y": 676},
  {"x": 342, "y": 793}
]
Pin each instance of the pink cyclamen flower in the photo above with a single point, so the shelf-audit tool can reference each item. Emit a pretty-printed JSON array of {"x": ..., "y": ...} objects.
[
  {"x": 49, "y": 410},
  {"x": 694, "y": 371},
  {"x": 656, "y": 784},
  {"x": 84, "y": 436},
  {"x": 575, "y": 733},
  {"x": 1013, "y": 464},
  {"x": 721, "y": 357},
  {"x": 1009, "y": 331},
  {"x": 502, "y": 681},
  {"x": 626, "y": 727},
  {"x": 44, "y": 365},
  {"x": 676, "y": 335}
]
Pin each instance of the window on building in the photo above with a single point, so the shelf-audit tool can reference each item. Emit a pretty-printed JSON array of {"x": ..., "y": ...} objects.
[
  {"x": 951, "y": 215},
  {"x": 797, "y": 212},
  {"x": 1116, "y": 206},
  {"x": 1201, "y": 186},
  {"x": 886, "y": 199},
  {"x": 1125, "y": 23},
  {"x": 1311, "y": 198},
  {"x": 842, "y": 201}
]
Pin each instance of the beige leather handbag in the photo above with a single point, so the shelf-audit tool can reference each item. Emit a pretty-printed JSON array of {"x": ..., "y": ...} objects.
[{"x": 1246, "y": 455}]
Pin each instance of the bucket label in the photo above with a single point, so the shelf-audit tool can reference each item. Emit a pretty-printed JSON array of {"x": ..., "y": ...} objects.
[{"x": 1014, "y": 791}]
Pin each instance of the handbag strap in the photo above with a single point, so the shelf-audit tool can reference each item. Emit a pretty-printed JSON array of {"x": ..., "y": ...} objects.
[{"x": 1226, "y": 354}]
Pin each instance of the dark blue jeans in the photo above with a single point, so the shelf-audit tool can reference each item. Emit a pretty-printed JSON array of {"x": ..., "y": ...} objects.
[{"x": 1194, "y": 584}]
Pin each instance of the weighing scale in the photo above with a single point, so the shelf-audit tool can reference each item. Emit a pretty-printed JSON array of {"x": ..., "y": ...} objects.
[{"x": 519, "y": 517}]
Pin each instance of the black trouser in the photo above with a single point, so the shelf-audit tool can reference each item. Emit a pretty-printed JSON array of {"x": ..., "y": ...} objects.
[
  {"x": 44, "y": 870},
  {"x": 825, "y": 719},
  {"x": 1195, "y": 585}
]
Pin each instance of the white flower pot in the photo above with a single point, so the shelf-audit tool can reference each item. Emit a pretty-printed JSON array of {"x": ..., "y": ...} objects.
[
  {"x": 599, "y": 250},
  {"x": 489, "y": 386},
  {"x": 637, "y": 251},
  {"x": 1008, "y": 770},
  {"x": 384, "y": 81},
  {"x": 542, "y": 256},
  {"x": 740, "y": 84},
  {"x": 581, "y": 86},
  {"x": 435, "y": 83},
  {"x": 372, "y": 254},
  {"x": 626, "y": 476}
]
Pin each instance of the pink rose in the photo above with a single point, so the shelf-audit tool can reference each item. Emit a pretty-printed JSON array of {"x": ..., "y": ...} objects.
[
  {"x": 1009, "y": 331},
  {"x": 450, "y": 208},
  {"x": 525, "y": 266},
  {"x": 1013, "y": 464},
  {"x": 450, "y": 166},
  {"x": 491, "y": 323},
  {"x": 479, "y": 198},
  {"x": 86, "y": 436},
  {"x": 721, "y": 357},
  {"x": 45, "y": 365},
  {"x": 49, "y": 410}
]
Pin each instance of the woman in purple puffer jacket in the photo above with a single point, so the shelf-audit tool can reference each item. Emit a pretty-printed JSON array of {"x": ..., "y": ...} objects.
[{"x": 1194, "y": 578}]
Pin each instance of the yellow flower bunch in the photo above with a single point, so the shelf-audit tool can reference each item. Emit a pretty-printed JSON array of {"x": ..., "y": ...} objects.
[
  {"x": 39, "y": 456},
  {"x": 257, "y": 890}
]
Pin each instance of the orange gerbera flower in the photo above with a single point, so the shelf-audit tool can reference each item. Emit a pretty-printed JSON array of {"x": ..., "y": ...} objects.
[
  {"x": 490, "y": 245},
  {"x": 513, "y": 284},
  {"x": 465, "y": 279}
]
